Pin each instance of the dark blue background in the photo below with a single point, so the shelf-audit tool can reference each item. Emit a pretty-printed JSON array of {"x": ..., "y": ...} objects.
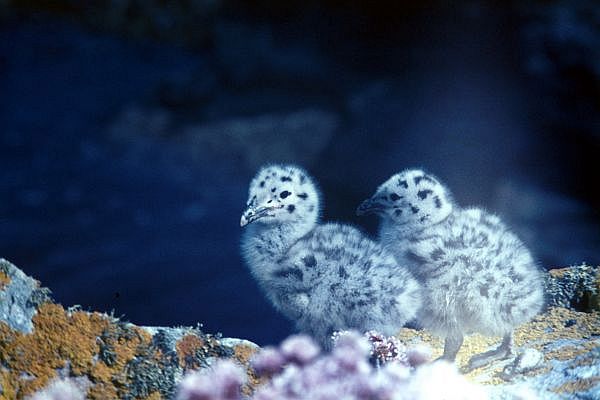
[{"x": 125, "y": 159}]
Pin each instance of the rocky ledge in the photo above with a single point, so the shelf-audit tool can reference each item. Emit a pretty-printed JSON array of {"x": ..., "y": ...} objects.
[
  {"x": 557, "y": 354},
  {"x": 110, "y": 359}
]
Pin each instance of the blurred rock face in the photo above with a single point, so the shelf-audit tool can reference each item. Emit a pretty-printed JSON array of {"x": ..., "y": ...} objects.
[
  {"x": 181, "y": 21},
  {"x": 297, "y": 137}
]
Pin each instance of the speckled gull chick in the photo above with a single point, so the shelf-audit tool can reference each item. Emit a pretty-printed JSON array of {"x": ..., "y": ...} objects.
[
  {"x": 323, "y": 277},
  {"x": 477, "y": 276}
]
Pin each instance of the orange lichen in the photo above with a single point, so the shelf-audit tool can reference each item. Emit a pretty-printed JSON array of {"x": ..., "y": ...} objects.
[
  {"x": 101, "y": 372},
  {"x": 579, "y": 385},
  {"x": 4, "y": 280},
  {"x": 64, "y": 339},
  {"x": 103, "y": 391},
  {"x": 558, "y": 272},
  {"x": 154, "y": 396},
  {"x": 188, "y": 348},
  {"x": 551, "y": 326},
  {"x": 243, "y": 353},
  {"x": 595, "y": 299},
  {"x": 570, "y": 352},
  {"x": 7, "y": 385}
]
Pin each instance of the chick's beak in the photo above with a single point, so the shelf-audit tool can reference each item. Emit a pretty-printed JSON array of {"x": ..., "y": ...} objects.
[
  {"x": 253, "y": 213},
  {"x": 369, "y": 206}
]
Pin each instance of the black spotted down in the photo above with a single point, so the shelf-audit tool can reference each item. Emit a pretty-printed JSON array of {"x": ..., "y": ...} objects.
[
  {"x": 424, "y": 193},
  {"x": 414, "y": 209},
  {"x": 403, "y": 183},
  {"x": 286, "y": 179},
  {"x": 284, "y": 194},
  {"x": 291, "y": 208},
  {"x": 289, "y": 273},
  {"x": 309, "y": 261},
  {"x": 437, "y": 254},
  {"x": 395, "y": 197},
  {"x": 425, "y": 178},
  {"x": 303, "y": 196}
]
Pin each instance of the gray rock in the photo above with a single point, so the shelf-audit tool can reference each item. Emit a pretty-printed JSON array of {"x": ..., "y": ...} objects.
[
  {"x": 575, "y": 288},
  {"x": 19, "y": 297},
  {"x": 527, "y": 360},
  {"x": 97, "y": 352}
]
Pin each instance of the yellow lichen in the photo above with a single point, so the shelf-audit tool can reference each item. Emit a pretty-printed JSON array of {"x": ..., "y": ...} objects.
[
  {"x": 579, "y": 385},
  {"x": 570, "y": 352},
  {"x": 103, "y": 391},
  {"x": 9, "y": 391},
  {"x": 62, "y": 339},
  {"x": 4, "y": 280},
  {"x": 543, "y": 330},
  {"x": 595, "y": 300},
  {"x": 154, "y": 396},
  {"x": 558, "y": 273}
]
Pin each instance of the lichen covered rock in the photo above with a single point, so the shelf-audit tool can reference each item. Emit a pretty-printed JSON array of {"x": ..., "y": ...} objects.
[
  {"x": 557, "y": 357},
  {"x": 40, "y": 341},
  {"x": 19, "y": 297},
  {"x": 577, "y": 288},
  {"x": 49, "y": 350}
]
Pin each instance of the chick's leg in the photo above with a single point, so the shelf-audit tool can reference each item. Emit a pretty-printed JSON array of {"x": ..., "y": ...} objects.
[{"x": 451, "y": 346}]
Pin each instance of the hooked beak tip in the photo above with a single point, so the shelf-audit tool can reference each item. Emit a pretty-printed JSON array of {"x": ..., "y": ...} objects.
[{"x": 243, "y": 221}]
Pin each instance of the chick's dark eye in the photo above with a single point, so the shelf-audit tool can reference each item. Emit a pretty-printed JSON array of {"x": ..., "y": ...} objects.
[
  {"x": 395, "y": 197},
  {"x": 284, "y": 194}
]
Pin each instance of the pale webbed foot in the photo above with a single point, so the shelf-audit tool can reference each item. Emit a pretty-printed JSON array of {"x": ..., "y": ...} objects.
[{"x": 503, "y": 351}]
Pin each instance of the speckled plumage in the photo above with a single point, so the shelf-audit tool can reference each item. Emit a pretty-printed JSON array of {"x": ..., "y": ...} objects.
[
  {"x": 323, "y": 277},
  {"x": 477, "y": 276}
]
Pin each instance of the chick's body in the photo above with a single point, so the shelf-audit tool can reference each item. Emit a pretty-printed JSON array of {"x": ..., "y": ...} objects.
[{"x": 477, "y": 275}]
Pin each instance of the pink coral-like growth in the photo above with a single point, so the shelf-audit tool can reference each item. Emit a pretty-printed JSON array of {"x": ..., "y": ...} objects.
[
  {"x": 223, "y": 382},
  {"x": 298, "y": 370}
]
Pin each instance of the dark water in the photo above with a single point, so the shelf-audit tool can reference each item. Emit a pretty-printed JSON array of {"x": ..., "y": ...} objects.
[{"x": 138, "y": 224}]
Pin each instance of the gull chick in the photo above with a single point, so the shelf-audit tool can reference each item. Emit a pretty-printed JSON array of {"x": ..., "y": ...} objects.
[
  {"x": 323, "y": 277},
  {"x": 477, "y": 276}
]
